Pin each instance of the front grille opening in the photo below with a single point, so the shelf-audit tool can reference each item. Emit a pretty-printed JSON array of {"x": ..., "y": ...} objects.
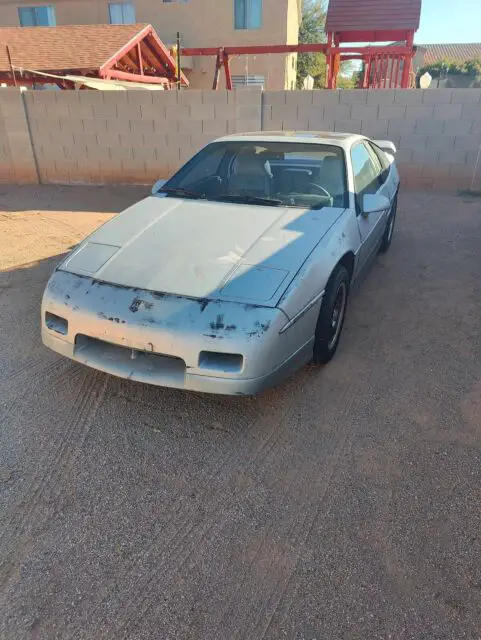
[
  {"x": 56, "y": 323},
  {"x": 96, "y": 349},
  {"x": 224, "y": 362}
]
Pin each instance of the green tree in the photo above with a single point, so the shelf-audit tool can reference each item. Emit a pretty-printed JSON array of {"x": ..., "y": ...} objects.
[
  {"x": 312, "y": 30},
  {"x": 348, "y": 75}
]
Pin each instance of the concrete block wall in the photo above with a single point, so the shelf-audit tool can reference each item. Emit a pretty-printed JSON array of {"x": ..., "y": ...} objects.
[
  {"x": 131, "y": 136},
  {"x": 17, "y": 162},
  {"x": 140, "y": 136},
  {"x": 437, "y": 131}
]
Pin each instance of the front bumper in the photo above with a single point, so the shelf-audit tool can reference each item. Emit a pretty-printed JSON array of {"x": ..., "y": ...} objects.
[{"x": 158, "y": 339}]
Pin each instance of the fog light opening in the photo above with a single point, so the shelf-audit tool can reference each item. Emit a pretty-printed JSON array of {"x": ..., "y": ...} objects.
[
  {"x": 223, "y": 362},
  {"x": 56, "y": 323}
]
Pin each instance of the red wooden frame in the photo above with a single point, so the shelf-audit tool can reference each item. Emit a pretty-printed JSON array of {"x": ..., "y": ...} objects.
[{"x": 381, "y": 63}]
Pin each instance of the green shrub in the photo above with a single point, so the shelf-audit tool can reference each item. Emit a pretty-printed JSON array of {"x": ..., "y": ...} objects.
[{"x": 445, "y": 67}]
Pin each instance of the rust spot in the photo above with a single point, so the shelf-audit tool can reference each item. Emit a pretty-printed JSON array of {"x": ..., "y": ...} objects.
[
  {"x": 137, "y": 303},
  {"x": 259, "y": 329},
  {"x": 203, "y": 304},
  {"x": 218, "y": 324}
]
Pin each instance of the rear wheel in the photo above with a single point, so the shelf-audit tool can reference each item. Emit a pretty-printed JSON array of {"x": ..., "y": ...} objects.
[
  {"x": 388, "y": 233},
  {"x": 331, "y": 316}
]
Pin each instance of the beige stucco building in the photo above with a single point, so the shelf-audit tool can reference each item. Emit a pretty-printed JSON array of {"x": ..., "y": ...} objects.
[{"x": 202, "y": 23}]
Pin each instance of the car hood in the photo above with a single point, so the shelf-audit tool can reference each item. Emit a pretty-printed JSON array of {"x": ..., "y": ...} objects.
[{"x": 202, "y": 249}]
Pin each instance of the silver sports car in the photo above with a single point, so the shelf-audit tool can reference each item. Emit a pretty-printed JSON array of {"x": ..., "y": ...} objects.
[{"x": 233, "y": 273}]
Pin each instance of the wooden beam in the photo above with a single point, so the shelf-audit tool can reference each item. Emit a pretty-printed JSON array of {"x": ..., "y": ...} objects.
[
  {"x": 139, "y": 56},
  {"x": 158, "y": 60},
  {"x": 149, "y": 57},
  {"x": 319, "y": 47},
  {"x": 112, "y": 74}
]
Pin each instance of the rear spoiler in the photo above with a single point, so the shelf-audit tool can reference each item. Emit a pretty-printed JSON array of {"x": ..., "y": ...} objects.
[{"x": 387, "y": 146}]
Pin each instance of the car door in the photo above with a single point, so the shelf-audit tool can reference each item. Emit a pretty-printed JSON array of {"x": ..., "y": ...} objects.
[{"x": 367, "y": 173}]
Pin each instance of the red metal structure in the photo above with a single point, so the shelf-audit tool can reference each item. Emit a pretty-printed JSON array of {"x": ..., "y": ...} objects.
[
  {"x": 348, "y": 21},
  {"x": 371, "y": 21},
  {"x": 132, "y": 53}
]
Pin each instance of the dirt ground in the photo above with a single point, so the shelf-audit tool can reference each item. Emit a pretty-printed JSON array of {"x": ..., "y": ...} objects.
[{"x": 344, "y": 504}]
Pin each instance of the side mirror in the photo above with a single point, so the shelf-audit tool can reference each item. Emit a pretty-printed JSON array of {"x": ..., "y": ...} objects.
[
  {"x": 373, "y": 203},
  {"x": 157, "y": 186}
]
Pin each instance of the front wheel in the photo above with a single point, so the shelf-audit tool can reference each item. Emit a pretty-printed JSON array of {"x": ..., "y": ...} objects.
[
  {"x": 388, "y": 233},
  {"x": 331, "y": 316}
]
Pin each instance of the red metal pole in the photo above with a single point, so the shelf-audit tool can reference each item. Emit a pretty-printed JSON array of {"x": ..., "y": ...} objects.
[
  {"x": 228, "y": 76},
  {"x": 386, "y": 68},
  {"x": 218, "y": 64},
  {"x": 337, "y": 62},
  {"x": 396, "y": 73},
  {"x": 379, "y": 69},
  {"x": 373, "y": 72},
  {"x": 407, "y": 61}
]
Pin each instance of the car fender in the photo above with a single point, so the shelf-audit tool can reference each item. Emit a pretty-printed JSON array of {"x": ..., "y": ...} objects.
[{"x": 303, "y": 298}]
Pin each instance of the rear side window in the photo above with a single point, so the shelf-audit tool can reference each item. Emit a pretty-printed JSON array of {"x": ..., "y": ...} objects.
[
  {"x": 383, "y": 159},
  {"x": 366, "y": 170}
]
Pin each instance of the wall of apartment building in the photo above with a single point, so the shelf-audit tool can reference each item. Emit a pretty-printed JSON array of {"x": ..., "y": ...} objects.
[
  {"x": 202, "y": 23},
  {"x": 139, "y": 136}
]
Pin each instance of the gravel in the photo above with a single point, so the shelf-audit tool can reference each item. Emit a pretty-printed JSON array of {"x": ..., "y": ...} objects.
[{"x": 344, "y": 504}]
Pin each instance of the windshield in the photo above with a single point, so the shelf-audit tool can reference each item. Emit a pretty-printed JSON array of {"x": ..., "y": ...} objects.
[{"x": 287, "y": 174}]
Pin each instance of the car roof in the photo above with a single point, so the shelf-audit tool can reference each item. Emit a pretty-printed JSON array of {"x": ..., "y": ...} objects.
[{"x": 337, "y": 139}]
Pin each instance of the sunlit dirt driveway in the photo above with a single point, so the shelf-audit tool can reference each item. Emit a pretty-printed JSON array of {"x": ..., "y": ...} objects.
[{"x": 344, "y": 504}]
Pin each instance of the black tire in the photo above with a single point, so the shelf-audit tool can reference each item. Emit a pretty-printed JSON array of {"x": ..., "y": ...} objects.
[
  {"x": 389, "y": 232},
  {"x": 331, "y": 316}
]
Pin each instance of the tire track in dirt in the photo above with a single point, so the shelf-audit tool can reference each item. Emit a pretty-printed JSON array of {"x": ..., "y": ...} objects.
[
  {"x": 275, "y": 620},
  {"x": 34, "y": 369},
  {"x": 305, "y": 514},
  {"x": 187, "y": 536},
  {"x": 302, "y": 520},
  {"x": 172, "y": 568},
  {"x": 56, "y": 375},
  {"x": 77, "y": 423}
]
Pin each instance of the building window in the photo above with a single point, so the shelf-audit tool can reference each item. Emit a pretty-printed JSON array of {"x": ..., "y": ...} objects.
[
  {"x": 121, "y": 13},
  {"x": 37, "y": 16},
  {"x": 248, "y": 81},
  {"x": 248, "y": 14}
]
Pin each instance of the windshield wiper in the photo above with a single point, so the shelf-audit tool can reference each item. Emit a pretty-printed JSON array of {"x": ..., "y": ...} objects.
[
  {"x": 183, "y": 193},
  {"x": 271, "y": 202}
]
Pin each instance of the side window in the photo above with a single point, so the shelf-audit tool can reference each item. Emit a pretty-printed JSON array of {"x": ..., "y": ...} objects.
[
  {"x": 384, "y": 162},
  {"x": 366, "y": 171}
]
